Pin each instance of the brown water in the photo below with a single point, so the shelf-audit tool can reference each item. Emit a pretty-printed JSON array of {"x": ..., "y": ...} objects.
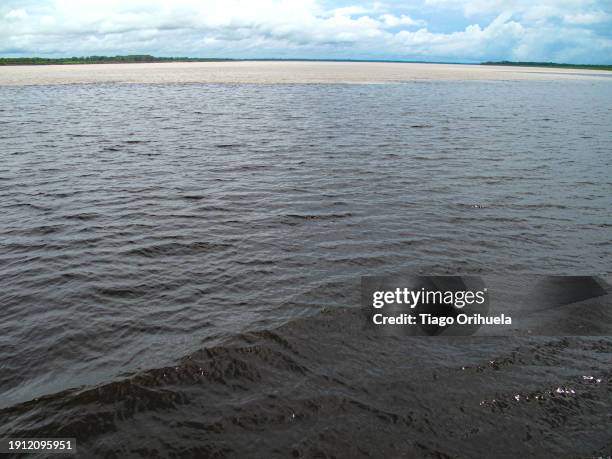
[
  {"x": 146, "y": 228},
  {"x": 267, "y": 72}
]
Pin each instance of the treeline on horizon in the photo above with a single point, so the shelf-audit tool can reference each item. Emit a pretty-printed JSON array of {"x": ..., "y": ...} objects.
[
  {"x": 133, "y": 58},
  {"x": 146, "y": 58},
  {"x": 551, "y": 64}
]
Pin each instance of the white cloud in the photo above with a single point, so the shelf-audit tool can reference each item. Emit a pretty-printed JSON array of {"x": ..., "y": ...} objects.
[
  {"x": 587, "y": 10},
  {"x": 18, "y": 14},
  {"x": 594, "y": 17},
  {"x": 350, "y": 11},
  {"x": 499, "y": 38},
  {"x": 391, "y": 20}
]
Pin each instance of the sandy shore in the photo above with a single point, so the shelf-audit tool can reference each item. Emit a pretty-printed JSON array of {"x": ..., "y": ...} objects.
[{"x": 277, "y": 72}]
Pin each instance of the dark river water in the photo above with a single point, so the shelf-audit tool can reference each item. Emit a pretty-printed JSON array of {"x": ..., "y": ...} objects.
[{"x": 154, "y": 237}]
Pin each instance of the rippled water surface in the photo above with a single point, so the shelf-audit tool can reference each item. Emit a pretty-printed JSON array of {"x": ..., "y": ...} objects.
[{"x": 141, "y": 223}]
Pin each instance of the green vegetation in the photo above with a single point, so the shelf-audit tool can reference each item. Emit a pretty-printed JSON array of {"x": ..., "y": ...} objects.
[
  {"x": 143, "y": 58},
  {"x": 99, "y": 60},
  {"x": 552, "y": 64}
]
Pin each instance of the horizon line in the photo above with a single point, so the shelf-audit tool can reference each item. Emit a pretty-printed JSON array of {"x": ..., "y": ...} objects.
[{"x": 304, "y": 59}]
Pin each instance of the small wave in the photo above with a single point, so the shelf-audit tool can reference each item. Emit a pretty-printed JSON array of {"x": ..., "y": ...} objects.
[
  {"x": 292, "y": 219},
  {"x": 228, "y": 145},
  {"x": 176, "y": 248}
]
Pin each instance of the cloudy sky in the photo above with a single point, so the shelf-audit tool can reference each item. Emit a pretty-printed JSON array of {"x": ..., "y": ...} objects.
[{"x": 577, "y": 31}]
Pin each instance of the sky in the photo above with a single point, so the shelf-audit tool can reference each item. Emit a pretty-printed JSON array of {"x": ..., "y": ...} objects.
[{"x": 573, "y": 31}]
